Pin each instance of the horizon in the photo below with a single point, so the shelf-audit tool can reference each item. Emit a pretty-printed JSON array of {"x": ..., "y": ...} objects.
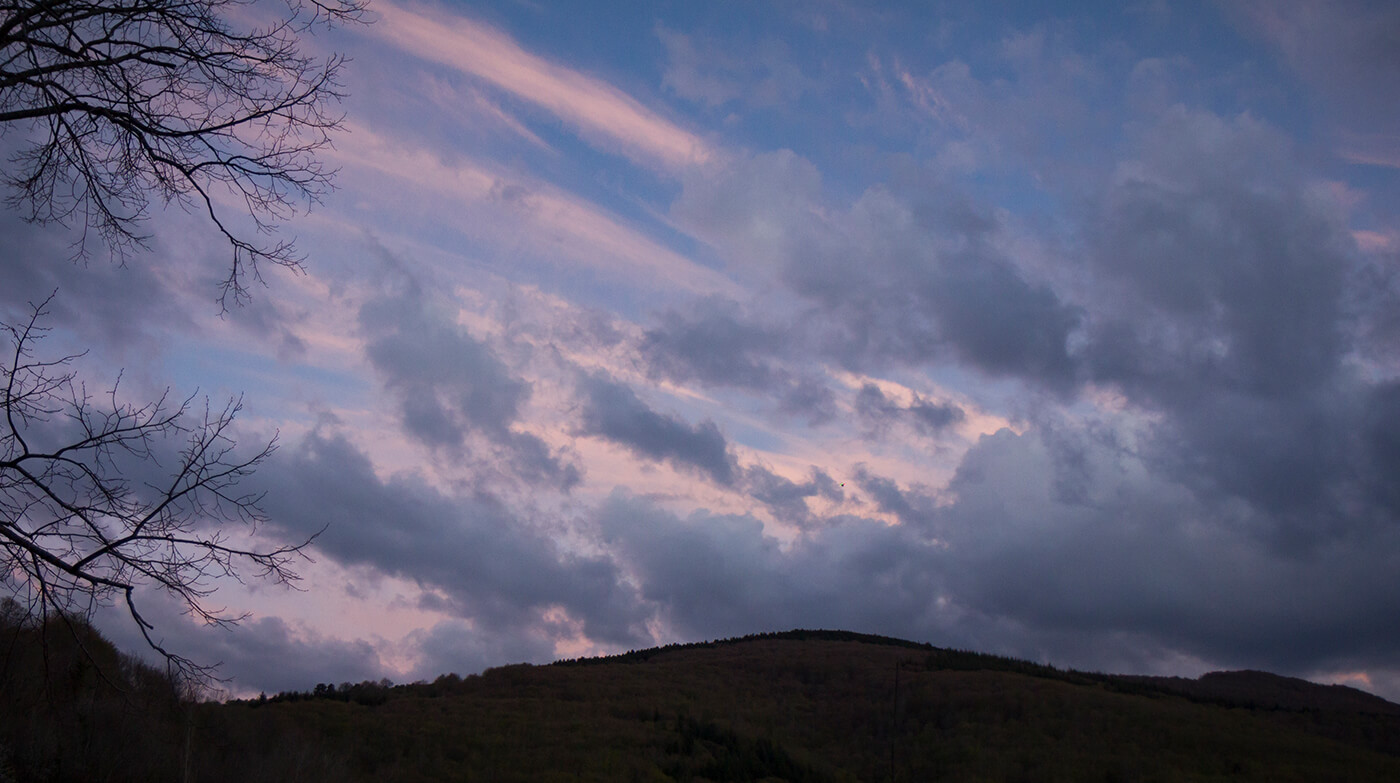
[
  {"x": 817, "y": 634},
  {"x": 1058, "y": 334}
]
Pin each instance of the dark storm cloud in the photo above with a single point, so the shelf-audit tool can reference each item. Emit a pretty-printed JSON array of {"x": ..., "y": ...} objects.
[
  {"x": 259, "y": 654},
  {"x": 809, "y": 398},
  {"x": 712, "y": 345},
  {"x": 926, "y": 417},
  {"x": 787, "y": 499},
  {"x": 493, "y": 567},
  {"x": 913, "y": 507},
  {"x": 995, "y": 319},
  {"x": 265, "y": 654},
  {"x": 1138, "y": 553},
  {"x": 710, "y": 575},
  {"x": 455, "y": 646},
  {"x": 714, "y": 342},
  {"x": 95, "y": 298},
  {"x": 932, "y": 417},
  {"x": 902, "y": 278},
  {"x": 1380, "y": 424},
  {"x": 1223, "y": 305},
  {"x": 1129, "y": 561},
  {"x": 1250, "y": 522},
  {"x": 449, "y": 383},
  {"x": 1231, "y": 274},
  {"x": 613, "y": 411},
  {"x": 1247, "y": 519}
]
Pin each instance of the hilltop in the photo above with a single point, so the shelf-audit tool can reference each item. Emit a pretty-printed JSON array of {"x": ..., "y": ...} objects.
[{"x": 796, "y": 706}]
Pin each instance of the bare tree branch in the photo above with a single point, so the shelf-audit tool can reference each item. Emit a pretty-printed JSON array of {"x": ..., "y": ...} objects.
[
  {"x": 126, "y": 99},
  {"x": 75, "y": 532}
]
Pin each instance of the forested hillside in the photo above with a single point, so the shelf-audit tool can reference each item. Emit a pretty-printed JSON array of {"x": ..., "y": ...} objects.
[{"x": 796, "y": 706}]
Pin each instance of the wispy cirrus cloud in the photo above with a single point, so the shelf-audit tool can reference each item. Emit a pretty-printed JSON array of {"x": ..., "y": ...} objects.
[
  {"x": 603, "y": 114},
  {"x": 515, "y": 212}
]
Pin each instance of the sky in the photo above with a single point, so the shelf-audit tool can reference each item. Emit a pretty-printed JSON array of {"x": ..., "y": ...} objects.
[{"x": 1066, "y": 331}]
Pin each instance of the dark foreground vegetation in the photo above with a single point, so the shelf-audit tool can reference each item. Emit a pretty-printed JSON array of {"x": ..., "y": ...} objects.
[{"x": 795, "y": 706}]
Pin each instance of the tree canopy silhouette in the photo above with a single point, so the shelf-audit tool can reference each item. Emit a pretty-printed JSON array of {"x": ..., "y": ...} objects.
[
  {"x": 116, "y": 105},
  {"x": 77, "y": 530},
  {"x": 122, "y": 100}
]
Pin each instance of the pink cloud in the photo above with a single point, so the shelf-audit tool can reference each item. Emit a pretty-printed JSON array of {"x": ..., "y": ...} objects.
[
  {"x": 470, "y": 106},
  {"x": 1375, "y": 241},
  {"x": 1373, "y": 149},
  {"x": 603, "y": 114},
  {"x": 931, "y": 100},
  {"x": 515, "y": 211}
]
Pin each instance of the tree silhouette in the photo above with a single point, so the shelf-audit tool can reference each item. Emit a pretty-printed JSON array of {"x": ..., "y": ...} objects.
[
  {"x": 116, "y": 105},
  {"x": 121, "y": 100},
  {"x": 76, "y": 531}
]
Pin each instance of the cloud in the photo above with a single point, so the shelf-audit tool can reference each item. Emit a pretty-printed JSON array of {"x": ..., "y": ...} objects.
[
  {"x": 1346, "y": 52},
  {"x": 1380, "y": 421},
  {"x": 603, "y": 114},
  {"x": 926, "y": 417},
  {"x": 811, "y": 398},
  {"x": 708, "y": 575},
  {"x": 914, "y": 507},
  {"x": 456, "y": 646},
  {"x": 711, "y": 344},
  {"x": 514, "y": 214},
  {"x": 495, "y": 568},
  {"x": 714, "y": 342},
  {"x": 786, "y": 499},
  {"x": 613, "y": 411},
  {"x": 754, "y": 210},
  {"x": 1223, "y": 304},
  {"x": 1212, "y": 229},
  {"x": 449, "y": 381},
  {"x": 1217, "y": 292},
  {"x": 693, "y": 75},
  {"x": 450, "y": 384},
  {"x": 466, "y": 104},
  {"x": 1135, "y": 552},
  {"x": 1033, "y": 100},
  {"x": 910, "y": 282},
  {"x": 1087, "y": 560},
  {"x": 94, "y": 297},
  {"x": 269, "y": 655},
  {"x": 761, "y": 74},
  {"x": 128, "y": 308},
  {"x": 1375, "y": 149},
  {"x": 266, "y": 654},
  {"x": 898, "y": 279}
]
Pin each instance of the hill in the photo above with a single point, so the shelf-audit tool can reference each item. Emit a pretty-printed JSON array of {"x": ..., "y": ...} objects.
[
  {"x": 797, "y": 706},
  {"x": 1262, "y": 690}
]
